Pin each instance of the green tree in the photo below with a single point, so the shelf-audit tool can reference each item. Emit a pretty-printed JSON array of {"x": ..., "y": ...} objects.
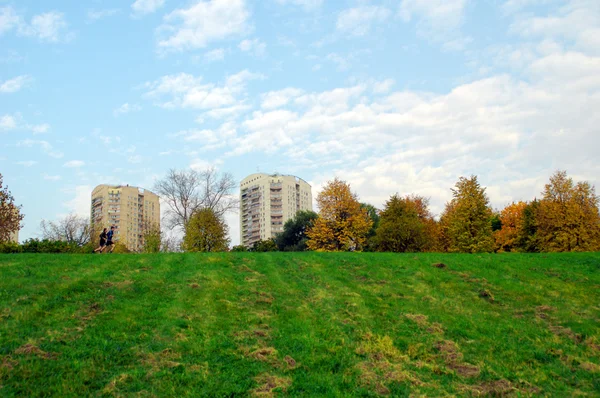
[
  {"x": 152, "y": 238},
  {"x": 205, "y": 232},
  {"x": 401, "y": 229},
  {"x": 293, "y": 238},
  {"x": 373, "y": 213},
  {"x": 342, "y": 224},
  {"x": 467, "y": 218},
  {"x": 528, "y": 239},
  {"x": 10, "y": 214},
  {"x": 568, "y": 218}
]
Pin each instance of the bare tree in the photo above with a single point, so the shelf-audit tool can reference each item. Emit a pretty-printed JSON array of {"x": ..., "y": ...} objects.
[
  {"x": 10, "y": 214},
  {"x": 186, "y": 191},
  {"x": 72, "y": 229}
]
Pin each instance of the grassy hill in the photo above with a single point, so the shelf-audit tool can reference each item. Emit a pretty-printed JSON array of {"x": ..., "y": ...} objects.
[{"x": 299, "y": 324}]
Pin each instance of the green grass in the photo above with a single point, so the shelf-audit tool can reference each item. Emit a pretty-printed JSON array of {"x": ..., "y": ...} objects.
[{"x": 330, "y": 324}]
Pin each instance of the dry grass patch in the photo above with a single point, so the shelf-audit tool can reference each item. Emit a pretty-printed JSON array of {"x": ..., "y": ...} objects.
[
  {"x": 269, "y": 384},
  {"x": 33, "y": 350},
  {"x": 453, "y": 358},
  {"x": 566, "y": 332},
  {"x": 265, "y": 354},
  {"x": 384, "y": 364},
  {"x": 590, "y": 367},
  {"x": 7, "y": 363},
  {"x": 157, "y": 361},
  {"x": 112, "y": 387},
  {"x": 419, "y": 319},
  {"x": 119, "y": 285},
  {"x": 497, "y": 388}
]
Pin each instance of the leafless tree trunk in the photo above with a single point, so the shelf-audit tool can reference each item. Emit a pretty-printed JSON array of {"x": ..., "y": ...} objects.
[
  {"x": 185, "y": 191},
  {"x": 72, "y": 229}
]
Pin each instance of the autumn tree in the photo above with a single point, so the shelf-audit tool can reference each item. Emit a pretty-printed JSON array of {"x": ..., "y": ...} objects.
[
  {"x": 10, "y": 214},
  {"x": 568, "y": 218},
  {"x": 342, "y": 223},
  {"x": 205, "y": 232},
  {"x": 466, "y": 218},
  {"x": 512, "y": 219},
  {"x": 72, "y": 228},
  {"x": 186, "y": 191},
  {"x": 293, "y": 237}
]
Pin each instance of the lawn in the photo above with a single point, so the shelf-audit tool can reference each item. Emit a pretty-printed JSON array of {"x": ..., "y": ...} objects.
[{"x": 300, "y": 324}]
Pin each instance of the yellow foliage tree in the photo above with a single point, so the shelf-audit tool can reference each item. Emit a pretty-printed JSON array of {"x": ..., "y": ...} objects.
[
  {"x": 342, "y": 224},
  {"x": 568, "y": 218},
  {"x": 205, "y": 232},
  {"x": 512, "y": 218}
]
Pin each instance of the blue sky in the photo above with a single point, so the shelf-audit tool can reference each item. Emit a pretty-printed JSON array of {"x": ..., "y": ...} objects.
[{"x": 392, "y": 96}]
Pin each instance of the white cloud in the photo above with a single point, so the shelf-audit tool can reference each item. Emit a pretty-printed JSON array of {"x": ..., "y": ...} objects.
[
  {"x": 558, "y": 26},
  {"x": 15, "y": 84},
  {"x": 144, "y": 7},
  {"x": 279, "y": 98},
  {"x": 7, "y": 122},
  {"x": 46, "y": 147},
  {"x": 308, "y": 5},
  {"x": 341, "y": 62},
  {"x": 94, "y": 15},
  {"x": 27, "y": 163},
  {"x": 229, "y": 112},
  {"x": 39, "y": 128},
  {"x": 357, "y": 21},
  {"x": 203, "y": 23},
  {"x": 74, "y": 164},
  {"x": 127, "y": 108},
  {"x": 384, "y": 86},
  {"x": 15, "y": 122},
  {"x": 51, "y": 177},
  {"x": 217, "y": 54},
  {"x": 49, "y": 26},
  {"x": 134, "y": 159},
  {"x": 437, "y": 20},
  {"x": 187, "y": 91},
  {"x": 254, "y": 47},
  {"x": 80, "y": 204},
  {"x": 8, "y": 19},
  {"x": 208, "y": 139}
]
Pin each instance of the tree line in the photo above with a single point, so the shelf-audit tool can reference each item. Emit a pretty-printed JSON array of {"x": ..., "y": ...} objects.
[{"x": 565, "y": 218}]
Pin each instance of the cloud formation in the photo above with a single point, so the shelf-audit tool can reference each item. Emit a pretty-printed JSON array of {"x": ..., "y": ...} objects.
[{"x": 203, "y": 23}]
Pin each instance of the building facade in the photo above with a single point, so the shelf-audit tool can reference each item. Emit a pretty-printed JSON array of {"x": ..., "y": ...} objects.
[
  {"x": 267, "y": 202},
  {"x": 14, "y": 237},
  {"x": 129, "y": 209}
]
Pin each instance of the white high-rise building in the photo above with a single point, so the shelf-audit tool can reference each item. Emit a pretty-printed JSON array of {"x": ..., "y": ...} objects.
[{"x": 267, "y": 202}]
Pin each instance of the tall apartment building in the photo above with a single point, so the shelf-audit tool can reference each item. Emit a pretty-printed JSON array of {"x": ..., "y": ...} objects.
[
  {"x": 14, "y": 237},
  {"x": 267, "y": 202},
  {"x": 128, "y": 209}
]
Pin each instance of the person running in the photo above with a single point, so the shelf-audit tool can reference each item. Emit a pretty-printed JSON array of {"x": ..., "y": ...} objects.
[
  {"x": 102, "y": 242},
  {"x": 109, "y": 240}
]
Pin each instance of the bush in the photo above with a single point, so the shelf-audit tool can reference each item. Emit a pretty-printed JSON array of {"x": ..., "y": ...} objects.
[
  {"x": 49, "y": 246},
  {"x": 10, "y": 247},
  {"x": 267, "y": 245},
  {"x": 239, "y": 248}
]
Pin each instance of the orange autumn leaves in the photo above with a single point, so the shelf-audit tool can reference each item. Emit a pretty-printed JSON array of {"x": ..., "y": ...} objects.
[{"x": 342, "y": 224}]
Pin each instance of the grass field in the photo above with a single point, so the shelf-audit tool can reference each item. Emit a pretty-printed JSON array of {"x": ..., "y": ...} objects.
[{"x": 332, "y": 324}]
